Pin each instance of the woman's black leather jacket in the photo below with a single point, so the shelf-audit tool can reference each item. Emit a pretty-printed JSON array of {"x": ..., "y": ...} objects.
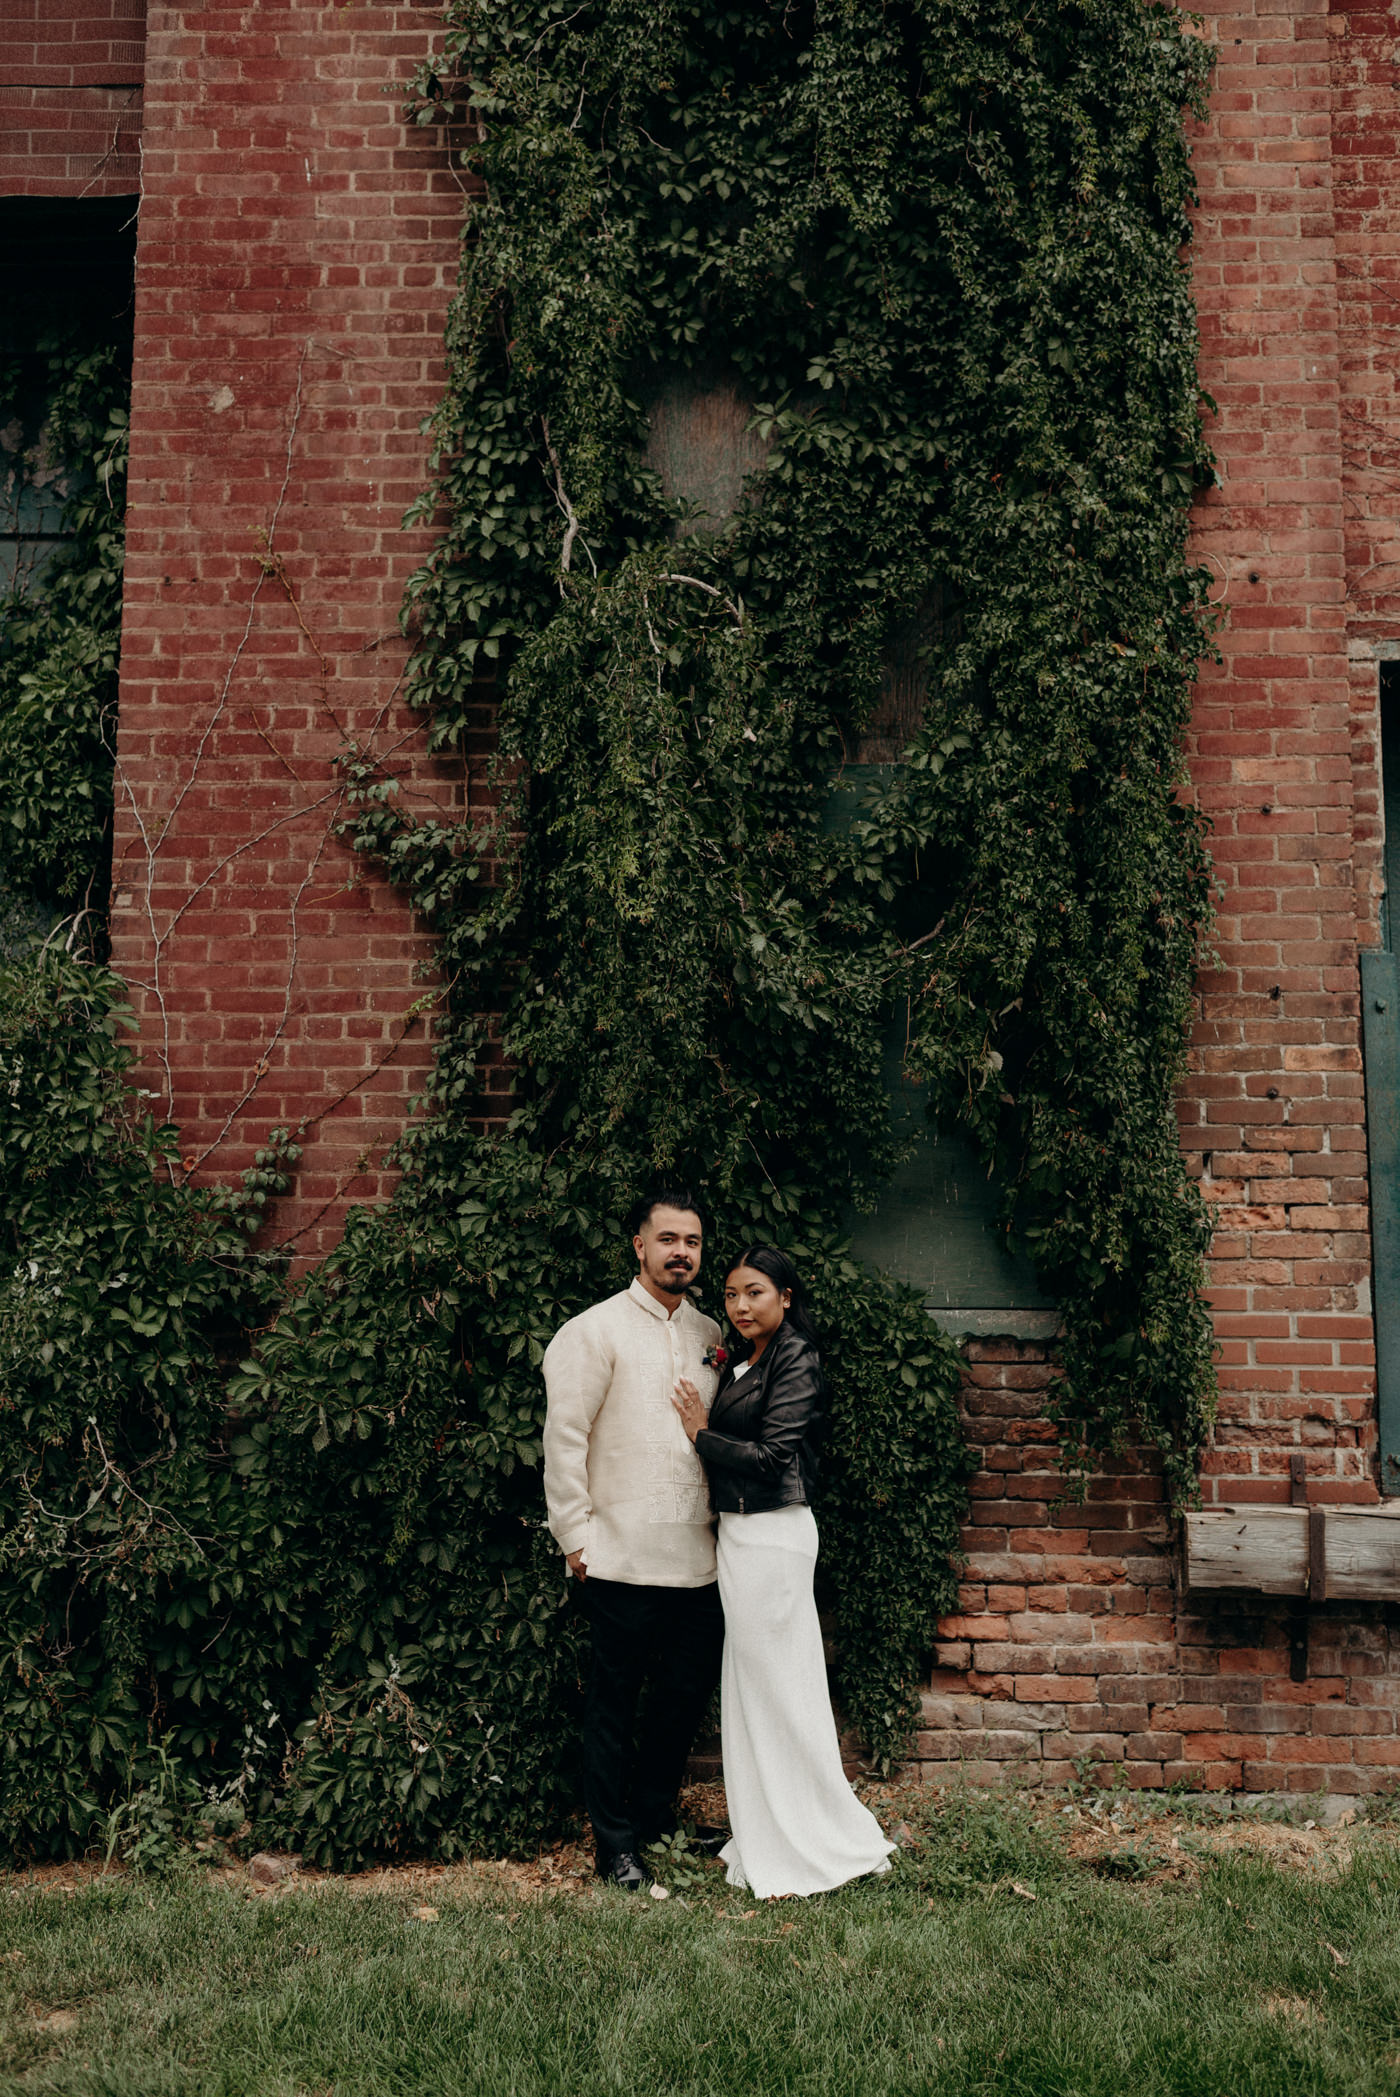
[{"x": 758, "y": 1447}]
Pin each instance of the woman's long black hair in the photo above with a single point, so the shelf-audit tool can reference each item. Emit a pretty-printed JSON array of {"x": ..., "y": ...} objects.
[{"x": 769, "y": 1260}]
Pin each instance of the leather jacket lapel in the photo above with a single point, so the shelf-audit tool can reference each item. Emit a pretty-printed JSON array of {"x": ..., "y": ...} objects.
[
  {"x": 746, "y": 1388},
  {"x": 756, "y": 1449}
]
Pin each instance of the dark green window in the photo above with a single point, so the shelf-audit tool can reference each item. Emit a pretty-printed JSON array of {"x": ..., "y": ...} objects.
[
  {"x": 1380, "y": 1020},
  {"x": 935, "y": 1224}
]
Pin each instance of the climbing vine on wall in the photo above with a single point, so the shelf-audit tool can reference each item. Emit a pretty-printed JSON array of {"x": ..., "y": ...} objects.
[
  {"x": 286, "y": 1541},
  {"x": 938, "y": 247},
  {"x": 59, "y": 629}
]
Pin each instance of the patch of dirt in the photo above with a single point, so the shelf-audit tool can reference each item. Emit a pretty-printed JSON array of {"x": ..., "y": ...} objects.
[
  {"x": 1294, "y": 2009},
  {"x": 1126, "y": 1854},
  {"x": 1181, "y": 1844},
  {"x": 1137, "y": 1837},
  {"x": 59, "y": 1878},
  {"x": 566, "y": 1868},
  {"x": 53, "y": 2020},
  {"x": 1128, "y": 1837},
  {"x": 1323, "y": 1851}
]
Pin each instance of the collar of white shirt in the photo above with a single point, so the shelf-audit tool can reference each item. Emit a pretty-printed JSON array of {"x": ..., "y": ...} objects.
[{"x": 649, "y": 1303}]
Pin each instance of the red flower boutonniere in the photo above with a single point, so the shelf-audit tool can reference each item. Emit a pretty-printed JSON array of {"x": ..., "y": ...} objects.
[{"x": 715, "y": 1357}]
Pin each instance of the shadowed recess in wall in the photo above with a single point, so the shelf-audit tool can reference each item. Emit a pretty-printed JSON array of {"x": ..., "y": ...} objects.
[
  {"x": 702, "y": 443},
  {"x": 65, "y": 365}
]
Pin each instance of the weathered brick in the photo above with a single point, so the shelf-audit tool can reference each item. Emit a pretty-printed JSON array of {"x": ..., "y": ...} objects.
[{"x": 310, "y": 387}]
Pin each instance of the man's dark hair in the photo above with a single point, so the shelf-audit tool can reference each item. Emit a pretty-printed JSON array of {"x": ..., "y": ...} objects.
[{"x": 664, "y": 1198}]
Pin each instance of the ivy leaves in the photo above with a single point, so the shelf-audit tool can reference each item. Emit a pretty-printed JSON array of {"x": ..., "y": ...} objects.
[
  {"x": 943, "y": 245},
  {"x": 939, "y": 247},
  {"x": 58, "y": 662}
]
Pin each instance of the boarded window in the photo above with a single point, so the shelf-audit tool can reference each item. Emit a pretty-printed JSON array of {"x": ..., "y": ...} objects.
[{"x": 1380, "y": 1014}]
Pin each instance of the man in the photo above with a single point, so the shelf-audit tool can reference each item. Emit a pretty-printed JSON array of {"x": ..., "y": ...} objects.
[{"x": 630, "y": 1509}]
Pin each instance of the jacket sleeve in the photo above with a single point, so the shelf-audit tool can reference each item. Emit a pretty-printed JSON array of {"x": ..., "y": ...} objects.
[
  {"x": 577, "y": 1372},
  {"x": 790, "y": 1406}
]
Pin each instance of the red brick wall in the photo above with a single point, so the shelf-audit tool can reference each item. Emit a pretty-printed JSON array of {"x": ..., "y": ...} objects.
[
  {"x": 1073, "y": 1644},
  {"x": 1274, "y": 1117},
  {"x": 70, "y": 97},
  {"x": 1366, "y": 143},
  {"x": 1074, "y": 1638},
  {"x": 297, "y": 247}
]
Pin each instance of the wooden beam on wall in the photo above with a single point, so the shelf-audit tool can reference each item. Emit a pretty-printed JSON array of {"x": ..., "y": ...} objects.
[{"x": 1269, "y": 1550}]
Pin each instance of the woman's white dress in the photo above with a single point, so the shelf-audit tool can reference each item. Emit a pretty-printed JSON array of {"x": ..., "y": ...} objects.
[{"x": 798, "y": 1826}]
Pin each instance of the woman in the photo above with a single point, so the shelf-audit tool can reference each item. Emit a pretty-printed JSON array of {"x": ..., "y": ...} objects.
[{"x": 798, "y": 1826}]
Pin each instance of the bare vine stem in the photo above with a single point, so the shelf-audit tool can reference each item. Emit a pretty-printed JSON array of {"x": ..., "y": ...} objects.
[
  {"x": 561, "y": 496},
  {"x": 736, "y": 611}
]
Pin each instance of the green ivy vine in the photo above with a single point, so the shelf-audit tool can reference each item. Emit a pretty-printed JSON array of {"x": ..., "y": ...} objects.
[
  {"x": 60, "y": 629},
  {"x": 286, "y": 1539},
  {"x": 939, "y": 247}
]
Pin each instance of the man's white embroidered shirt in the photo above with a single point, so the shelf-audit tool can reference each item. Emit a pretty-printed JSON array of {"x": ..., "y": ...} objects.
[{"x": 622, "y": 1481}]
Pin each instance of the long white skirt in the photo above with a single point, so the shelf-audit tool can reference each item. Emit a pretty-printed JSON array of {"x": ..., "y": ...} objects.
[{"x": 798, "y": 1826}]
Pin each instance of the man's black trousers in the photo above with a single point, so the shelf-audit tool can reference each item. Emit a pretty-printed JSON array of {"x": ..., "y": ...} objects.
[{"x": 666, "y": 1642}]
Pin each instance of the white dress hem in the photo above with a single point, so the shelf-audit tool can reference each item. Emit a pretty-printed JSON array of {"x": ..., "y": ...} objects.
[{"x": 799, "y": 1829}]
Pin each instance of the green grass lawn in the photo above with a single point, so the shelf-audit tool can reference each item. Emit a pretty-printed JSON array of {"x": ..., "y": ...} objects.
[{"x": 1233, "y": 1976}]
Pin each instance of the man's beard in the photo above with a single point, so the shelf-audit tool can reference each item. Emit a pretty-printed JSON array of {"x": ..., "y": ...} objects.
[{"x": 676, "y": 1280}]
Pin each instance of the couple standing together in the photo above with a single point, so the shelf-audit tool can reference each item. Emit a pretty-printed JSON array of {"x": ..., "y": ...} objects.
[{"x": 654, "y": 1430}]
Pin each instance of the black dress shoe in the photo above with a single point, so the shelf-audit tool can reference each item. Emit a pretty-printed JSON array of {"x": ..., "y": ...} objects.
[{"x": 624, "y": 1870}]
